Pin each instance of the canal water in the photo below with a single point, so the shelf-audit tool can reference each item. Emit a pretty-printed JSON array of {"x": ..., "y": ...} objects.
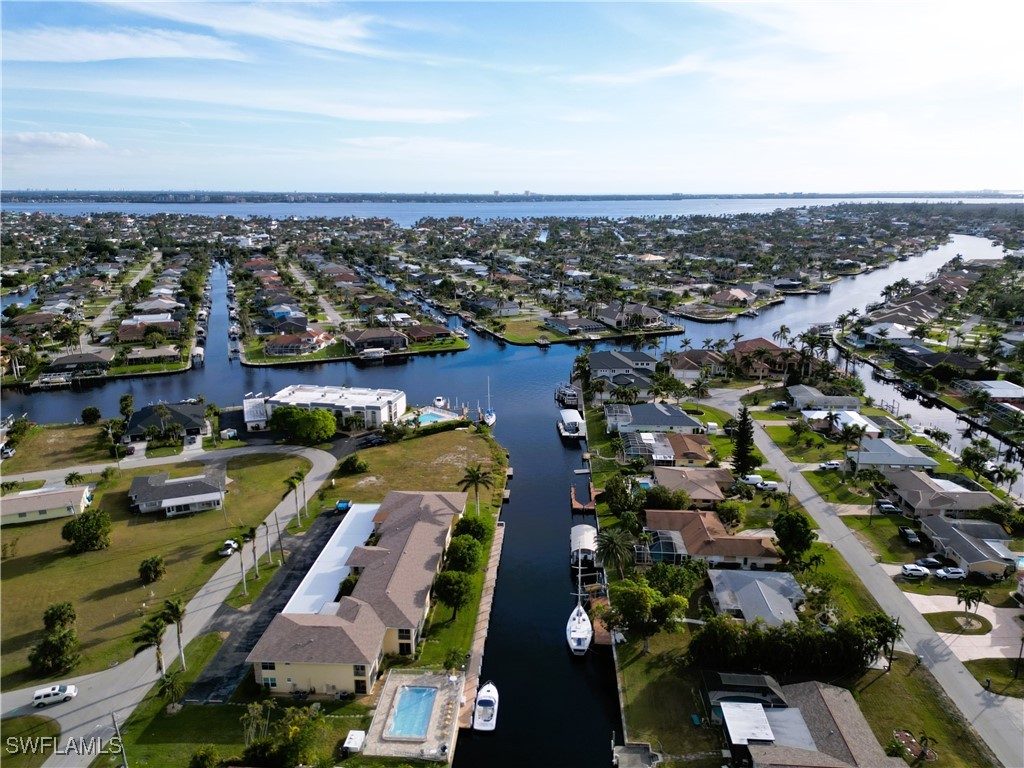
[{"x": 556, "y": 709}]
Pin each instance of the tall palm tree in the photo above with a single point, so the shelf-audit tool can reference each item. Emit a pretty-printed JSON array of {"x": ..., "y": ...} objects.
[
  {"x": 300, "y": 475},
  {"x": 476, "y": 477},
  {"x": 700, "y": 388},
  {"x": 171, "y": 686},
  {"x": 293, "y": 484},
  {"x": 970, "y": 596},
  {"x": 151, "y": 635},
  {"x": 173, "y": 612},
  {"x": 782, "y": 334},
  {"x": 615, "y": 548},
  {"x": 251, "y": 536}
]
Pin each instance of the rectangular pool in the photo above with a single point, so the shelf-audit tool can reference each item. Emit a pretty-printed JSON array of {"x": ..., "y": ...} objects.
[
  {"x": 410, "y": 714},
  {"x": 429, "y": 418}
]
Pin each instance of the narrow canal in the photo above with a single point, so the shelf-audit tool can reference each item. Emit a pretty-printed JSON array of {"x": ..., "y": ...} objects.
[{"x": 555, "y": 709}]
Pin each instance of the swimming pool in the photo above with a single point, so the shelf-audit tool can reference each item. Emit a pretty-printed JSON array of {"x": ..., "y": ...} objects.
[
  {"x": 430, "y": 418},
  {"x": 410, "y": 714}
]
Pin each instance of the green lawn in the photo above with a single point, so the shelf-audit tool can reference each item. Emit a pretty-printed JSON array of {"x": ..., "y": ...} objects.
[
  {"x": 811, "y": 448},
  {"x": 851, "y": 596},
  {"x": 763, "y": 396},
  {"x": 881, "y": 534},
  {"x": 659, "y": 693},
  {"x": 253, "y": 586},
  {"x": 1001, "y": 673},
  {"x": 908, "y": 697},
  {"x": 996, "y": 595},
  {"x": 164, "y": 451},
  {"x": 958, "y": 622},
  {"x": 104, "y": 586},
  {"x": 26, "y": 727},
  {"x": 772, "y": 416},
  {"x": 53, "y": 446},
  {"x": 24, "y": 485},
  {"x": 833, "y": 486}
]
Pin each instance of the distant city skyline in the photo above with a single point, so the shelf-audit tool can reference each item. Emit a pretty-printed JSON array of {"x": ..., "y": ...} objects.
[{"x": 555, "y": 98}]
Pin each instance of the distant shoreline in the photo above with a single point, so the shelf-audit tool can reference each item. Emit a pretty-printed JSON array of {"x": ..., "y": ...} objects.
[{"x": 239, "y": 197}]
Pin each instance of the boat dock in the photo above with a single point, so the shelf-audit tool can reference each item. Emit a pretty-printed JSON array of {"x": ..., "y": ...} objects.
[
  {"x": 483, "y": 623},
  {"x": 579, "y": 507}
]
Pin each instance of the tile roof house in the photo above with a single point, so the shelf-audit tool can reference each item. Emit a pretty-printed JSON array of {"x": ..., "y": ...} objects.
[
  {"x": 180, "y": 496},
  {"x": 923, "y": 495},
  {"x": 705, "y": 486},
  {"x": 297, "y": 343},
  {"x": 977, "y": 546},
  {"x": 678, "y": 535},
  {"x": 690, "y": 364},
  {"x": 330, "y": 645},
  {"x": 367, "y": 338}
]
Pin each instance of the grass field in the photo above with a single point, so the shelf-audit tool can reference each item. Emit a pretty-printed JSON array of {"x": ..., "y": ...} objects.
[
  {"x": 772, "y": 416},
  {"x": 1001, "y": 674},
  {"x": 819, "y": 449},
  {"x": 958, "y": 622},
  {"x": 104, "y": 586},
  {"x": 851, "y": 596},
  {"x": 832, "y": 486},
  {"x": 26, "y": 727},
  {"x": 881, "y": 534},
  {"x": 25, "y": 485},
  {"x": 997, "y": 595},
  {"x": 526, "y": 330},
  {"x": 58, "y": 445},
  {"x": 908, "y": 697}
]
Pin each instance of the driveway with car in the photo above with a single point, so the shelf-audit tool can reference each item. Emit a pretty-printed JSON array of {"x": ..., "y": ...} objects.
[{"x": 1003, "y": 641}]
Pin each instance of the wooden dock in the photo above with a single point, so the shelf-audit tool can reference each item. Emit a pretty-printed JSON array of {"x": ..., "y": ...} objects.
[
  {"x": 579, "y": 507},
  {"x": 483, "y": 622}
]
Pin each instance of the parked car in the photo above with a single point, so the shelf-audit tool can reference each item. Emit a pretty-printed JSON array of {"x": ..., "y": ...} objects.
[
  {"x": 914, "y": 571},
  {"x": 768, "y": 485},
  {"x": 129, "y": 451},
  {"x": 951, "y": 574},
  {"x": 929, "y": 562},
  {"x": 53, "y": 694},
  {"x": 779, "y": 405},
  {"x": 7, "y": 451},
  {"x": 192, "y": 439},
  {"x": 751, "y": 480},
  {"x": 910, "y": 536},
  {"x": 887, "y": 507},
  {"x": 829, "y": 465},
  {"x": 229, "y": 548}
]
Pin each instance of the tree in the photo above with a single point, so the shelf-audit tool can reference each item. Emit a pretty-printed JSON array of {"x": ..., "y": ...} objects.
[
  {"x": 151, "y": 635},
  {"x": 478, "y": 527},
  {"x": 293, "y": 484},
  {"x": 171, "y": 687},
  {"x": 152, "y": 569},
  {"x": 660, "y": 497},
  {"x": 88, "y": 531},
  {"x": 300, "y": 475},
  {"x": 475, "y": 478},
  {"x": 615, "y": 548},
  {"x": 59, "y": 616},
  {"x": 638, "y": 608},
  {"x": 173, "y": 612},
  {"x": 73, "y": 478},
  {"x": 454, "y": 589},
  {"x": 56, "y": 653},
  {"x": 744, "y": 458},
  {"x": 971, "y": 596},
  {"x": 206, "y": 756},
  {"x": 464, "y": 554},
  {"x": 794, "y": 534},
  {"x": 318, "y": 426},
  {"x": 91, "y": 415},
  {"x": 730, "y": 512}
]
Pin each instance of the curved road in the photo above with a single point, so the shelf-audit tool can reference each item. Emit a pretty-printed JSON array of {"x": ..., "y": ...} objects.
[
  {"x": 120, "y": 689},
  {"x": 999, "y": 720}
]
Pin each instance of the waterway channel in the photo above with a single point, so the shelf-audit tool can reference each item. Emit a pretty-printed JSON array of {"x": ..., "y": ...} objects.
[{"x": 556, "y": 709}]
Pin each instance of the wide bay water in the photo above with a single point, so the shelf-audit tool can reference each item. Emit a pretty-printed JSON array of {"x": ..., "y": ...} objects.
[{"x": 555, "y": 709}]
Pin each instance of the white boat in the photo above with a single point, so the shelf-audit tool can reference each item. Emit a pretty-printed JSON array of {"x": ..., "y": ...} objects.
[
  {"x": 572, "y": 425},
  {"x": 440, "y": 402},
  {"x": 490, "y": 416},
  {"x": 485, "y": 713},
  {"x": 579, "y": 630},
  {"x": 567, "y": 395}
]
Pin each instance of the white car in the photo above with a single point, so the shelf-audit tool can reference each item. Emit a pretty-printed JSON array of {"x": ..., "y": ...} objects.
[
  {"x": 829, "y": 465},
  {"x": 768, "y": 485},
  {"x": 53, "y": 694},
  {"x": 229, "y": 548},
  {"x": 914, "y": 571},
  {"x": 952, "y": 574}
]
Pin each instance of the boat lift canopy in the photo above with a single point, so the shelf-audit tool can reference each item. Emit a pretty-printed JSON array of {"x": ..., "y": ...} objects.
[{"x": 583, "y": 537}]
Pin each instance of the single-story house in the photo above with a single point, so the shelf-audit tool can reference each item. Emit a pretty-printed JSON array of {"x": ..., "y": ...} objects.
[
  {"x": 297, "y": 343},
  {"x": 732, "y": 297},
  {"x": 677, "y": 535},
  {"x": 609, "y": 363},
  {"x": 191, "y": 416},
  {"x": 180, "y": 496},
  {"x": 144, "y": 356},
  {"x": 691, "y": 364},
  {"x": 427, "y": 333},
  {"x": 923, "y": 495},
  {"x": 702, "y": 485},
  {"x": 806, "y": 398},
  {"x": 821, "y": 421},
  {"x": 45, "y": 504},
  {"x": 323, "y": 643},
  {"x": 629, "y": 315},
  {"x": 887, "y": 333},
  {"x": 998, "y": 391},
  {"x": 84, "y": 364},
  {"x": 651, "y": 417},
  {"x": 884, "y": 454},
  {"x": 368, "y": 338},
  {"x": 772, "y": 597},
  {"x": 977, "y": 546},
  {"x": 573, "y": 326}
]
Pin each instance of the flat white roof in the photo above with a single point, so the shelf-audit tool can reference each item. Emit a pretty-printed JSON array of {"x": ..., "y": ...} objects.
[
  {"x": 746, "y": 723},
  {"x": 338, "y": 397},
  {"x": 570, "y": 416},
  {"x": 320, "y": 585},
  {"x": 255, "y": 409}
]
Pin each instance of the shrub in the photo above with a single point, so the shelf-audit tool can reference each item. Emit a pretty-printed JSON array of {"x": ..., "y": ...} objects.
[
  {"x": 152, "y": 569},
  {"x": 354, "y": 465},
  {"x": 91, "y": 415},
  {"x": 464, "y": 554},
  {"x": 478, "y": 527}
]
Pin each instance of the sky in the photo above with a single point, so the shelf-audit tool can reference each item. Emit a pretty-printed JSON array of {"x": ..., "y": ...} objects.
[{"x": 557, "y": 98}]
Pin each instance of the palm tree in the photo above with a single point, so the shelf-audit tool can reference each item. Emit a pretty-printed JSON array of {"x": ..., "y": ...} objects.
[
  {"x": 700, "y": 388},
  {"x": 151, "y": 635},
  {"x": 164, "y": 413},
  {"x": 707, "y": 343},
  {"x": 970, "y": 596},
  {"x": 615, "y": 548},
  {"x": 782, "y": 334},
  {"x": 73, "y": 478},
  {"x": 300, "y": 475},
  {"x": 250, "y": 535},
  {"x": 174, "y": 613},
  {"x": 475, "y": 478},
  {"x": 171, "y": 686},
  {"x": 597, "y": 387},
  {"x": 293, "y": 484}
]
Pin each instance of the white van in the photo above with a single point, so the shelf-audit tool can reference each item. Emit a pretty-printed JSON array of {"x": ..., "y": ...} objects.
[
  {"x": 751, "y": 480},
  {"x": 53, "y": 694}
]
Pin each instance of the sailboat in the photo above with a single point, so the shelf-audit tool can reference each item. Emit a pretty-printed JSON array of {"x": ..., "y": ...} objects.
[
  {"x": 578, "y": 630},
  {"x": 490, "y": 416}
]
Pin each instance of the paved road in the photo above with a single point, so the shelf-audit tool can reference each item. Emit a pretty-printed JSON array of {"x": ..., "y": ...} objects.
[
  {"x": 333, "y": 316},
  {"x": 999, "y": 720},
  {"x": 108, "y": 311},
  {"x": 120, "y": 689}
]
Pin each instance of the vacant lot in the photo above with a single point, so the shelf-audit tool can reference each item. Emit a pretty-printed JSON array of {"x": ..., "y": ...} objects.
[
  {"x": 104, "y": 586},
  {"x": 27, "y": 727},
  {"x": 60, "y": 445}
]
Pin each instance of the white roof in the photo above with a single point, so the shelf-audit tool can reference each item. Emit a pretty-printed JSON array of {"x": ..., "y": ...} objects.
[
  {"x": 570, "y": 416},
  {"x": 1001, "y": 389},
  {"x": 844, "y": 417},
  {"x": 309, "y": 395},
  {"x": 583, "y": 537},
  {"x": 255, "y": 409},
  {"x": 320, "y": 584},
  {"x": 746, "y": 723},
  {"x": 354, "y": 740}
]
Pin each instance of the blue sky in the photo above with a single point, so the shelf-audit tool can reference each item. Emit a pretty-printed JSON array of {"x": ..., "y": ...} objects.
[{"x": 548, "y": 97}]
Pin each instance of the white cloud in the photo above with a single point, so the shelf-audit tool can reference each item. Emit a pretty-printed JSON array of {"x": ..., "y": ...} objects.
[
  {"x": 687, "y": 65},
  {"x": 78, "y": 45},
  {"x": 586, "y": 116},
  {"x": 46, "y": 142}
]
